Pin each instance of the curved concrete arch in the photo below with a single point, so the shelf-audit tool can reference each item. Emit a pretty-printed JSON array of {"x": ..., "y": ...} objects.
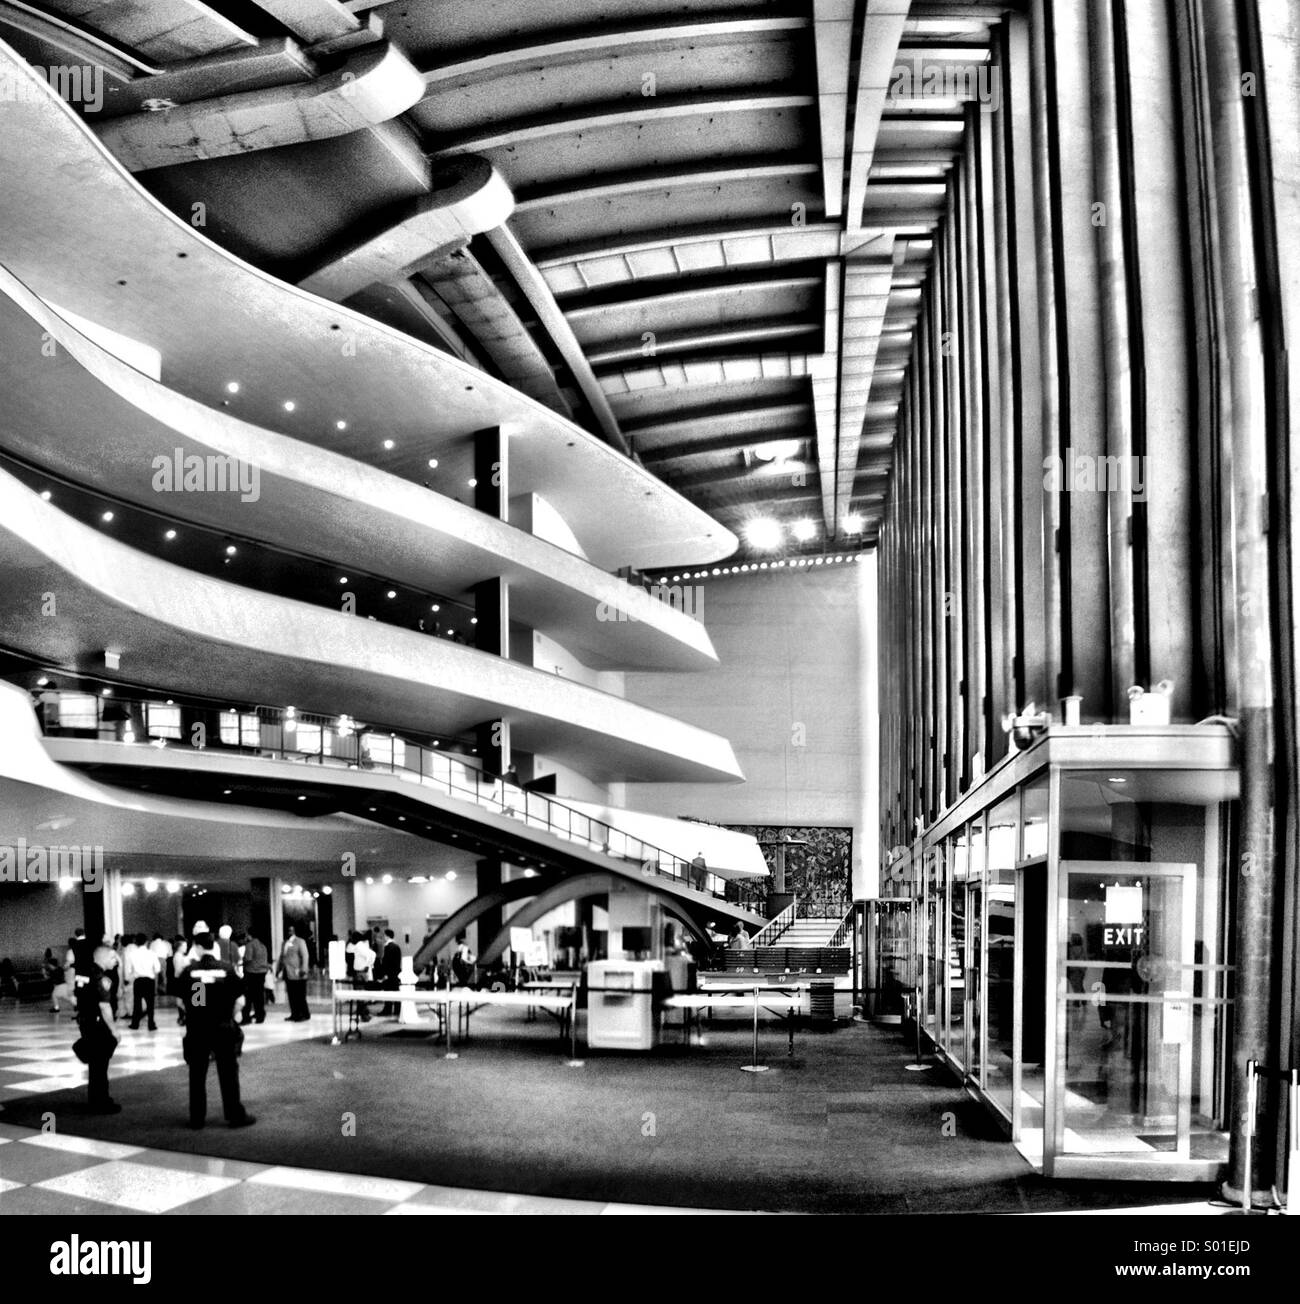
[
  {"x": 105, "y": 422},
  {"x": 458, "y": 922},
  {"x": 189, "y": 632},
  {"x": 65, "y": 193},
  {"x": 567, "y": 889}
]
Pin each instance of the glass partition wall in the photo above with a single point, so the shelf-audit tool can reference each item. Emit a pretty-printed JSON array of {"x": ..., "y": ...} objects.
[{"x": 1070, "y": 929}]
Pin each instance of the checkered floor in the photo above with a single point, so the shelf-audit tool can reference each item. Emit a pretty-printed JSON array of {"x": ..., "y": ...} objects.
[{"x": 54, "y": 1173}]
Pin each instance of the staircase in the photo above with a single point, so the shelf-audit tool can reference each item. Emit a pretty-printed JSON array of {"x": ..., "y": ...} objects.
[{"x": 808, "y": 933}]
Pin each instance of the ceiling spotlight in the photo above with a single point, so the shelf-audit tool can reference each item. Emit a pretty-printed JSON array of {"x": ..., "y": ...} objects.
[
  {"x": 388, "y": 443},
  {"x": 435, "y": 607},
  {"x": 230, "y": 550},
  {"x": 764, "y": 534},
  {"x": 340, "y": 425},
  {"x": 151, "y": 885},
  {"x": 128, "y": 889},
  {"x": 42, "y": 681},
  {"x": 803, "y": 530},
  {"x": 232, "y": 387},
  {"x": 170, "y": 534},
  {"x": 302, "y": 798},
  {"x": 343, "y": 579},
  {"x": 172, "y": 887},
  {"x": 107, "y": 516},
  {"x": 473, "y": 620},
  {"x": 289, "y": 405},
  {"x": 225, "y": 792},
  {"x": 392, "y": 593},
  {"x": 327, "y": 890},
  {"x": 473, "y": 484},
  {"x": 46, "y": 495},
  {"x": 369, "y": 879},
  {"x": 387, "y": 878},
  {"x": 451, "y": 876},
  {"x": 108, "y": 692},
  {"x": 853, "y": 523},
  {"x": 433, "y": 464}
]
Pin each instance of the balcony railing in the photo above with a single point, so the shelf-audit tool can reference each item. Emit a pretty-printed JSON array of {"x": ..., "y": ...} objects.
[{"x": 284, "y": 734}]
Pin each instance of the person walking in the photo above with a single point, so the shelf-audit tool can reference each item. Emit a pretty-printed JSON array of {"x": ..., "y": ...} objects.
[
  {"x": 257, "y": 964},
  {"x": 699, "y": 873},
  {"x": 294, "y": 966},
  {"x": 212, "y": 999},
  {"x": 162, "y": 948},
  {"x": 96, "y": 1023},
  {"x": 142, "y": 969}
]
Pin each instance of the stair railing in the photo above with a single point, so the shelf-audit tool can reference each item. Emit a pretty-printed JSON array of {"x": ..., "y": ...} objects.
[
  {"x": 841, "y": 935},
  {"x": 774, "y": 927}
]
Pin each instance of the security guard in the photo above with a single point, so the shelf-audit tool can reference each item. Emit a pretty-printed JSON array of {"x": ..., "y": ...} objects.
[
  {"x": 212, "y": 999},
  {"x": 94, "y": 997}
]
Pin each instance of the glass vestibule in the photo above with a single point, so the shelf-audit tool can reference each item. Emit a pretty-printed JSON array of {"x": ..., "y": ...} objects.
[{"x": 1070, "y": 938}]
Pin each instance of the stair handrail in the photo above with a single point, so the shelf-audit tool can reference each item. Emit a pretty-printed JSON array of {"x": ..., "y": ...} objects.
[
  {"x": 838, "y": 938},
  {"x": 774, "y": 927}
]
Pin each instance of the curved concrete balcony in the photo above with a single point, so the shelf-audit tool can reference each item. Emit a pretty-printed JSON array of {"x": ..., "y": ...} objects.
[
  {"x": 85, "y": 414},
  {"x": 216, "y": 319},
  {"x": 72, "y": 593}
]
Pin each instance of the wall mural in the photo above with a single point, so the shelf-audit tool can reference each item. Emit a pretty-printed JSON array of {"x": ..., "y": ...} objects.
[{"x": 819, "y": 872}]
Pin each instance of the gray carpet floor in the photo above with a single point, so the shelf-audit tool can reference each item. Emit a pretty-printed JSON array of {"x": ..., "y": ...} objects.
[{"x": 842, "y": 1127}]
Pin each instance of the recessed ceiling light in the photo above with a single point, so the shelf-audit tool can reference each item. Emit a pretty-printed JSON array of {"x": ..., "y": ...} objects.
[
  {"x": 107, "y": 516},
  {"x": 302, "y": 798},
  {"x": 340, "y": 425},
  {"x": 1116, "y": 778},
  {"x": 392, "y": 593},
  {"x": 170, "y": 534},
  {"x": 387, "y": 878},
  {"x": 225, "y": 792},
  {"x": 473, "y": 620},
  {"x": 343, "y": 579},
  {"x": 803, "y": 530},
  {"x": 46, "y": 495},
  {"x": 433, "y": 464},
  {"x": 853, "y": 523},
  {"x": 289, "y": 405},
  {"x": 388, "y": 443},
  {"x": 436, "y": 607},
  {"x": 108, "y": 692},
  {"x": 473, "y": 484},
  {"x": 451, "y": 876},
  {"x": 232, "y": 387},
  {"x": 42, "y": 681},
  {"x": 230, "y": 550},
  {"x": 779, "y": 450}
]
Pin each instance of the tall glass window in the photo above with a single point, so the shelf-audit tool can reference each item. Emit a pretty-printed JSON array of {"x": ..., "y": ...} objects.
[{"x": 1000, "y": 943}]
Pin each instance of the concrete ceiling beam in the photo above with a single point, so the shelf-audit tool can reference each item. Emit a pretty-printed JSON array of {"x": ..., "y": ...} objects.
[
  {"x": 833, "y": 40},
  {"x": 554, "y": 323},
  {"x": 375, "y": 85},
  {"x": 312, "y": 21},
  {"x": 600, "y": 43},
  {"x": 162, "y": 29}
]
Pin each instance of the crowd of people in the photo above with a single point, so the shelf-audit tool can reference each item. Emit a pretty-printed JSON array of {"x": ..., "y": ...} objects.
[{"x": 219, "y": 982}]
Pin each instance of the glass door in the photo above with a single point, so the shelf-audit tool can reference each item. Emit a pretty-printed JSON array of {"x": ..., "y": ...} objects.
[{"x": 1125, "y": 993}]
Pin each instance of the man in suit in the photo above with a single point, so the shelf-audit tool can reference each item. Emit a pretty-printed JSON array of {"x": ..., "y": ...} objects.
[
  {"x": 294, "y": 968},
  {"x": 390, "y": 969},
  {"x": 257, "y": 964},
  {"x": 212, "y": 999}
]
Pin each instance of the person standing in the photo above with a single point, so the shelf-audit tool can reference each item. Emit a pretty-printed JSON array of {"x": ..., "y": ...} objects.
[
  {"x": 212, "y": 999},
  {"x": 363, "y": 965},
  {"x": 142, "y": 968},
  {"x": 180, "y": 962},
  {"x": 257, "y": 964},
  {"x": 162, "y": 948},
  {"x": 95, "y": 1021},
  {"x": 699, "y": 873},
  {"x": 294, "y": 967},
  {"x": 462, "y": 963},
  {"x": 390, "y": 969}
]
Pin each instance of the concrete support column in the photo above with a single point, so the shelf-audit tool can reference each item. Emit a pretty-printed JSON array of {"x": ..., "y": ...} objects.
[
  {"x": 489, "y": 878},
  {"x": 491, "y": 472}
]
